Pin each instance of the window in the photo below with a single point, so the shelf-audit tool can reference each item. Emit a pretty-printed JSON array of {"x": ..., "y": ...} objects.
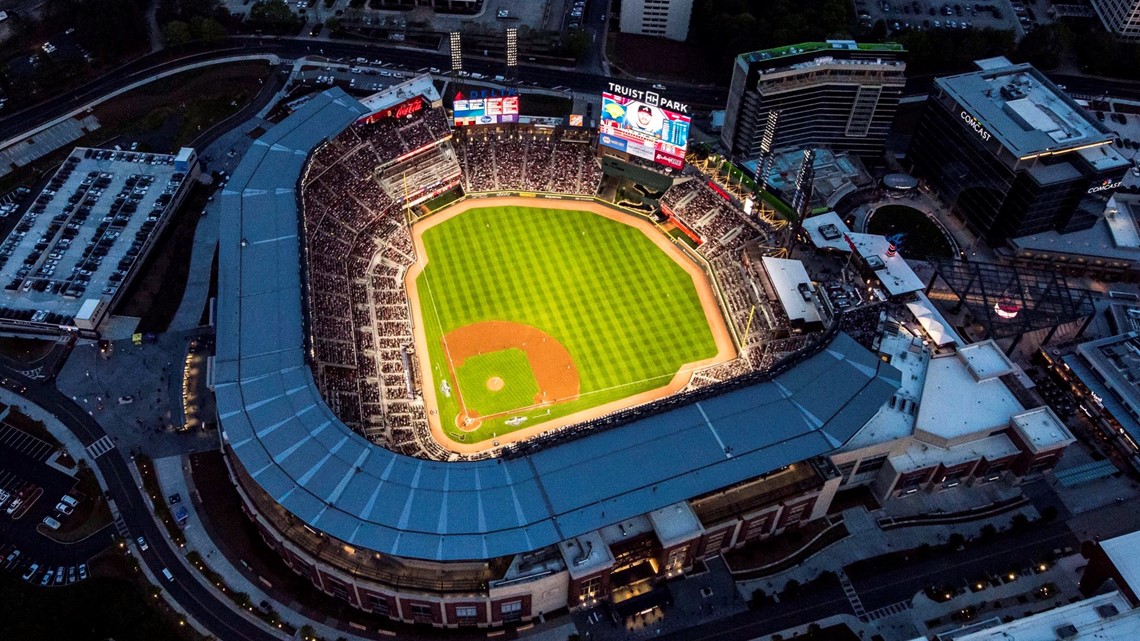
[
  {"x": 421, "y": 613},
  {"x": 511, "y": 610},
  {"x": 378, "y": 604},
  {"x": 466, "y": 613},
  {"x": 590, "y": 588},
  {"x": 676, "y": 560},
  {"x": 873, "y": 464}
]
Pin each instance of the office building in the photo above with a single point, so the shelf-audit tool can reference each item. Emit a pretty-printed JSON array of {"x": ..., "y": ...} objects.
[
  {"x": 838, "y": 94},
  {"x": 1014, "y": 155},
  {"x": 664, "y": 18},
  {"x": 1119, "y": 16}
]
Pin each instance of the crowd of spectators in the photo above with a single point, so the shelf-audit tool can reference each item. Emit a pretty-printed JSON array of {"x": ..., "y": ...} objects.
[
  {"x": 518, "y": 158},
  {"x": 357, "y": 249},
  {"x": 722, "y": 226}
]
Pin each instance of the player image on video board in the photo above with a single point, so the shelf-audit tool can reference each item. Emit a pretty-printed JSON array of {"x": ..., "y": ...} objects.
[{"x": 644, "y": 130}]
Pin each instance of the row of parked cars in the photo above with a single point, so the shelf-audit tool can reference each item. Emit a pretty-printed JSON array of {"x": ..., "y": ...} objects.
[
  {"x": 65, "y": 507},
  {"x": 60, "y": 575}
]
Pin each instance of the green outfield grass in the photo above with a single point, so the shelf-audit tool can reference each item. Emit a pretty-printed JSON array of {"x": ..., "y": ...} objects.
[{"x": 628, "y": 314}]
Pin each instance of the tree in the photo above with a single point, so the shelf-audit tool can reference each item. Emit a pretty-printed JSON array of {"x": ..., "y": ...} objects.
[
  {"x": 176, "y": 33},
  {"x": 108, "y": 27},
  {"x": 1045, "y": 47},
  {"x": 207, "y": 29}
]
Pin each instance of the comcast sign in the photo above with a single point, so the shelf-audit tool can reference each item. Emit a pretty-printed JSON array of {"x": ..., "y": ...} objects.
[{"x": 973, "y": 123}]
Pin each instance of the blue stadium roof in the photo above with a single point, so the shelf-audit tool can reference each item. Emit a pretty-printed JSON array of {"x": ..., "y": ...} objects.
[{"x": 303, "y": 456}]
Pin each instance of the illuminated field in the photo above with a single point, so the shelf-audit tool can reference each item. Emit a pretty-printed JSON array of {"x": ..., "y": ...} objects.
[{"x": 533, "y": 317}]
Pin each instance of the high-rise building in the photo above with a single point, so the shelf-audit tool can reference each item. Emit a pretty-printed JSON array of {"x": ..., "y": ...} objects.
[
  {"x": 1119, "y": 16},
  {"x": 664, "y": 18},
  {"x": 1014, "y": 155},
  {"x": 837, "y": 94}
]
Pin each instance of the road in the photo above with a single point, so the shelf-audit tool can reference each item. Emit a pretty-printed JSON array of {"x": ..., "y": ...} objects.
[
  {"x": 13, "y": 124},
  {"x": 878, "y": 588},
  {"x": 195, "y": 599}
]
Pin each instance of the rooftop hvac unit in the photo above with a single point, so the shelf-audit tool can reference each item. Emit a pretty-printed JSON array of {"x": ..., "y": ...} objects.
[{"x": 1067, "y": 631}]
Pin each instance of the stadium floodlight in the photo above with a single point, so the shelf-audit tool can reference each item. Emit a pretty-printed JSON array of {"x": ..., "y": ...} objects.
[
  {"x": 512, "y": 47},
  {"x": 456, "y": 51}
]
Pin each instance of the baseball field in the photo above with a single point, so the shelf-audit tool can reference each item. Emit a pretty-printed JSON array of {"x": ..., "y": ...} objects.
[{"x": 534, "y": 314}]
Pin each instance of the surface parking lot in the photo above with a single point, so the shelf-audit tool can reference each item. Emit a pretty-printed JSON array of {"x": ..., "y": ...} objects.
[
  {"x": 38, "y": 488},
  {"x": 939, "y": 15},
  {"x": 20, "y": 441}
]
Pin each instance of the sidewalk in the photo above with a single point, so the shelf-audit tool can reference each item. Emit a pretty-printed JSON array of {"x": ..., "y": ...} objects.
[
  {"x": 866, "y": 540},
  {"x": 78, "y": 452},
  {"x": 173, "y": 476}
]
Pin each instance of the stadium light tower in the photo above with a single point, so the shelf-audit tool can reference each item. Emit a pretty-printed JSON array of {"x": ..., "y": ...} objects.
[
  {"x": 766, "y": 149},
  {"x": 512, "y": 48},
  {"x": 456, "y": 51},
  {"x": 801, "y": 200}
]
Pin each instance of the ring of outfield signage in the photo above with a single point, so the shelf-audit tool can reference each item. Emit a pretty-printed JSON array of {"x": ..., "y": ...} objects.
[{"x": 570, "y": 310}]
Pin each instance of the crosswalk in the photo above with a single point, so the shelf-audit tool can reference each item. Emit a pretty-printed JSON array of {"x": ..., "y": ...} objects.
[
  {"x": 101, "y": 447},
  {"x": 121, "y": 526},
  {"x": 886, "y": 611},
  {"x": 852, "y": 596}
]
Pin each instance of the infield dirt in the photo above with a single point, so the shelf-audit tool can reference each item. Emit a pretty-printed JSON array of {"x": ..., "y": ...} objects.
[{"x": 725, "y": 348}]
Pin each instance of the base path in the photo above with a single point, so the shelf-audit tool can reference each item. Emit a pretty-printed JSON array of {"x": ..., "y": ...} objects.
[
  {"x": 551, "y": 364},
  {"x": 726, "y": 350}
]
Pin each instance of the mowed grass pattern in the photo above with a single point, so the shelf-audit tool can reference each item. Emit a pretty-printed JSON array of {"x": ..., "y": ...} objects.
[
  {"x": 511, "y": 365},
  {"x": 627, "y": 313}
]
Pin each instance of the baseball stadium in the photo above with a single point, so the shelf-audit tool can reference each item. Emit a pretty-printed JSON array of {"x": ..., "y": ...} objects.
[{"x": 465, "y": 378}]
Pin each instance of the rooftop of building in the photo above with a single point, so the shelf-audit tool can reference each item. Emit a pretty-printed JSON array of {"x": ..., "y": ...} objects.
[
  {"x": 920, "y": 455},
  {"x": 794, "y": 288},
  {"x": 1121, "y": 550},
  {"x": 1114, "y": 236},
  {"x": 1042, "y": 429},
  {"x": 421, "y": 85},
  {"x": 985, "y": 360},
  {"x": 777, "y": 53},
  {"x": 956, "y": 404},
  {"x": 895, "y": 419},
  {"x": 333, "y": 480},
  {"x": 675, "y": 523},
  {"x": 1028, "y": 114},
  {"x": 85, "y": 231},
  {"x": 828, "y": 231},
  {"x": 586, "y": 553},
  {"x": 1118, "y": 359},
  {"x": 940, "y": 331},
  {"x": 835, "y": 175},
  {"x": 1105, "y": 617},
  {"x": 892, "y": 270}
]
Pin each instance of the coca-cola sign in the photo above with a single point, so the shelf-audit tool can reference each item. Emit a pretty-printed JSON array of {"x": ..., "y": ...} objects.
[{"x": 402, "y": 110}]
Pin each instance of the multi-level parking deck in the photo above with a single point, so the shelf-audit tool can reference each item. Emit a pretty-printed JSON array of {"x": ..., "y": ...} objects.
[{"x": 85, "y": 233}]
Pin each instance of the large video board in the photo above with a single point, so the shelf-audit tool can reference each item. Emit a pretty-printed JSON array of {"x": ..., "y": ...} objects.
[
  {"x": 485, "y": 110},
  {"x": 643, "y": 129}
]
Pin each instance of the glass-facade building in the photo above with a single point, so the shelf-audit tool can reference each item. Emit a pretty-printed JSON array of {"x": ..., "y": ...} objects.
[{"x": 1013, "y": 155}]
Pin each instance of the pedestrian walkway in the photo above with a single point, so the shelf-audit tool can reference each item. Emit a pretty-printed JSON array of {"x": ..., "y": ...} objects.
[
  {"x": 100, "y": 447},
  {"x": 852, "y": 595},
  {"x": 890, "y": 610}
]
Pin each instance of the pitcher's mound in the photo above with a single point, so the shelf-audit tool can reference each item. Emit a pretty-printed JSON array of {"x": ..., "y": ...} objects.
[{"x": 495, "y": 383}]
